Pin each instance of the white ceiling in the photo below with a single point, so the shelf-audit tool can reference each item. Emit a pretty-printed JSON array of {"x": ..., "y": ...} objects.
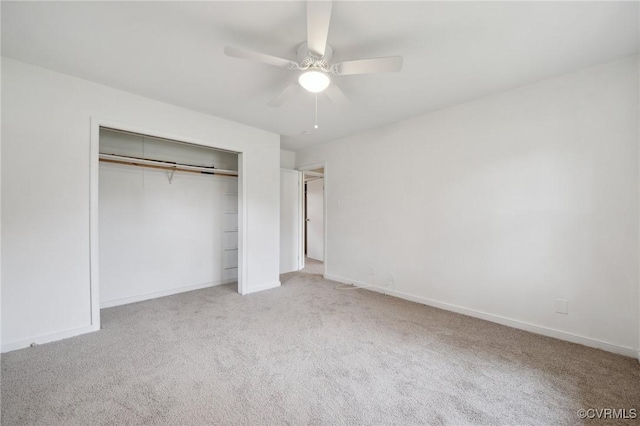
[{"x": 453, "y": 52}]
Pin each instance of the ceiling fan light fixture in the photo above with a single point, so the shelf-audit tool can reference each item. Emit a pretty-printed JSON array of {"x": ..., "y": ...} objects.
[{"x": 314, "y": 81}]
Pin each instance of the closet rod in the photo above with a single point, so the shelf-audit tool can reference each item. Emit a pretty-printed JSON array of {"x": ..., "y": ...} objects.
[{"x": 164, "y": 165}]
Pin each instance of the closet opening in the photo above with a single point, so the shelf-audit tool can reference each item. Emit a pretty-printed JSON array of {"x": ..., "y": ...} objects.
[{"x": 167, "y": 217}]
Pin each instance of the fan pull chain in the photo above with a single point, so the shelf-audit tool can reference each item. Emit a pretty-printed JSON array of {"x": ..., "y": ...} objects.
[
  {"x": 143, "y": 156},
  {"x": 316, "y": 125}
]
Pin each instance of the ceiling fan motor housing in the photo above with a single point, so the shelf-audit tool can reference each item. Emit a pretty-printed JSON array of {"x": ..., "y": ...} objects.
[{"x": 307, "y": 60}]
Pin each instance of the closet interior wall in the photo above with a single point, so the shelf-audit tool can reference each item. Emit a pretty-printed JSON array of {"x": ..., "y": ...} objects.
[{"x": 164, "y": 232}]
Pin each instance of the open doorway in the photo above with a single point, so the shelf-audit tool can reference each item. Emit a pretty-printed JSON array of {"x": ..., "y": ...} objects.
[{"x": 314, "y": 221}]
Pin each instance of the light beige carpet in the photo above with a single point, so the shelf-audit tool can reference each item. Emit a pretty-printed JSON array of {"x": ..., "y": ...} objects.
[
  {"x": 306, "y": 353},
  {"x": 313, "y": 266}
]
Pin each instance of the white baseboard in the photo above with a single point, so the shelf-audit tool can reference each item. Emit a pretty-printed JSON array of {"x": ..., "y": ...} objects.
[
  {"x": 562, "y": 335},
  {"x": 263, "y": 287},
  {"x": 46, "y": 338},
  {"x": 147, "y": 296}
]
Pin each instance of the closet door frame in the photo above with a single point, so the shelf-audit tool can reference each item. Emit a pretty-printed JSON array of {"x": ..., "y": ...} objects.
[{"x": 96, "y": 124}]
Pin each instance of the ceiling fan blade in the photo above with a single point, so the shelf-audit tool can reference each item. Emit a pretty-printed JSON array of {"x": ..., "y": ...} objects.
[
  {"x": 259, "y": 57},
  {"x": 284, "y": 95},
  {"x": 368, "y": 66},
  {"x": 336, "y": 95},
  {"x": 318, "y": 18}
]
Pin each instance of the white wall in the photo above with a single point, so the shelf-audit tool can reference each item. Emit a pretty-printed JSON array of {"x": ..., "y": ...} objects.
[
  {"x": 289, "y": 220},
  {"x": 500, "y": 206},
  {"x": 0, "y": 204},
  {"x": 160, "y": 237},
  {"x": 287, "y": 159},
  {"x": 45, "y": 193}
]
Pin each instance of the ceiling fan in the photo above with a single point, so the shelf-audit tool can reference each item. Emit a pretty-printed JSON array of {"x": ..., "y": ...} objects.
[{"x": 314, "y": 59}]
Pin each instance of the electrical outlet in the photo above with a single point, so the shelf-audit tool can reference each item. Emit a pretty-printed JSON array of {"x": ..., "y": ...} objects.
[
  {"x": 392, "y": 280},
  {"x": 370, "y": 271},
  {"x": 562, "y": 306}
]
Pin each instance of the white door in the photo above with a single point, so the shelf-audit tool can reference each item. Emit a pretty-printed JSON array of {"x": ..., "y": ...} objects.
[
  {"x": 289, "y": 220},
  {"x": 315, "y": 219}
]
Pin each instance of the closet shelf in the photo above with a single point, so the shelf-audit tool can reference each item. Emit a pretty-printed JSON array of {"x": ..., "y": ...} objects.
[{"x": 164, "y": 165}]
